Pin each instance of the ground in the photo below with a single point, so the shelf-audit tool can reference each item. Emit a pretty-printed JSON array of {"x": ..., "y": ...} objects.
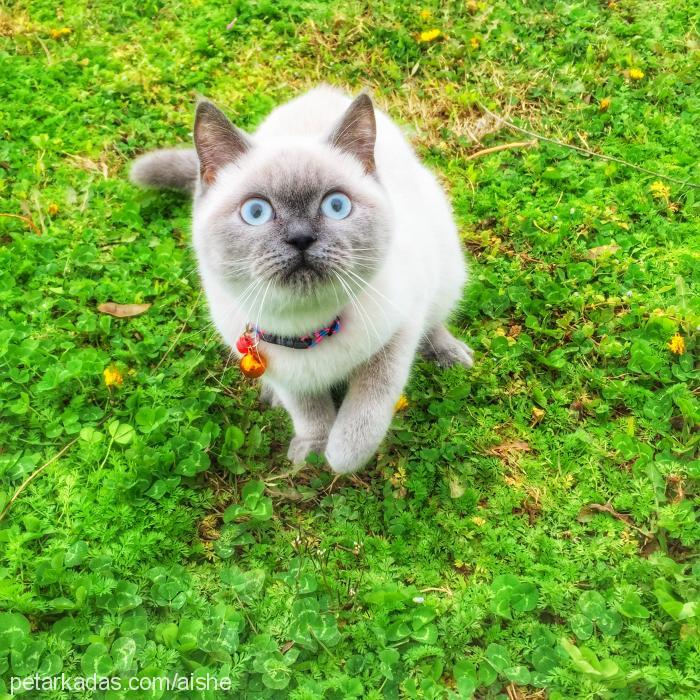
[{"x": 527, "y": 529}]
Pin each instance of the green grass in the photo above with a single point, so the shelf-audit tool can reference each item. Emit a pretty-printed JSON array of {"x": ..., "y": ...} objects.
[{"x": 468, "y": 559}]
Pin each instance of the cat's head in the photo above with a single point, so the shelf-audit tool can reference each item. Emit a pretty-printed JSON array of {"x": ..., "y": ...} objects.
[{"x": 303, "y": 219}]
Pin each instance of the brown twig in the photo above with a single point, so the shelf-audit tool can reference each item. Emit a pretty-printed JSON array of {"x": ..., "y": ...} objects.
[
  {"x": 33, "y": 476},
  {"x": 502, "y": 147},
  {"x": 26, "y": 220},
  {"x": 587, "y": 152}
]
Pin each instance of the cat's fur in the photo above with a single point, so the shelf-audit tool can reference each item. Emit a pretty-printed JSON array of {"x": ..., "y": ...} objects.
[{"x": 392, "y": 270}]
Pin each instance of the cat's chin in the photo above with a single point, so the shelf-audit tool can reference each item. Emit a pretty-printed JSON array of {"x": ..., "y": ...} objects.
[{"x": 303, "y": 277}]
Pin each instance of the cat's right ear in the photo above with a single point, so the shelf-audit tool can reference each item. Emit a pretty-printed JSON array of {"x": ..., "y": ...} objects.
[
  {"x": 357, "y": 132},
  {"x": 218, "y": 142}
]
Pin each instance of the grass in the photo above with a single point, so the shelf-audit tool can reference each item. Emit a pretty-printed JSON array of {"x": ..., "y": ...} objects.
[{"x": 528, "y": 529}]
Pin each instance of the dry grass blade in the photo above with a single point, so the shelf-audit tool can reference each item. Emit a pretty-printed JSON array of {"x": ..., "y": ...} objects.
[
  {"x": 33, "y": 476},
  {"x": 591, "y": 154},
  {"x": 502, "y": 147},
  {"x": 26, "y": 220},
  {"x": 586, "y": 513}
]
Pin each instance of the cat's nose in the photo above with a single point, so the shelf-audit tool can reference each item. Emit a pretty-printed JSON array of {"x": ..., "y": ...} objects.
[{"x": 301, "y": 241}]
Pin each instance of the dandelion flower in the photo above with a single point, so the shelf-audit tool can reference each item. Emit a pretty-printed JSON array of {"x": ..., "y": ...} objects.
[
  {"x": 604, "y": 104},
  {"x": 60, "y": 33},
  {"x": 475, "y": 42},
  {"x": 659, "y": 190},
  {"x": 677, "y": 345},
  {"x": 53, "y": 209},
  {"x": 112, "y": 376},
  {"x": 401, "y": 404},
  {"x": 429, "y": 35},
  {"x": 426, "y": 14},
  {"x": 636, "y": 74}
]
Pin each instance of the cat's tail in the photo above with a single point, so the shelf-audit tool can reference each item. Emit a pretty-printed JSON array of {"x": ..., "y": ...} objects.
[{"x": 167, "y": 168}]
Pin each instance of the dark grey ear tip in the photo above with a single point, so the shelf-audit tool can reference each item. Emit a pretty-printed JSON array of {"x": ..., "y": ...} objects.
[
  {"x": 206, "y": 107},
  {"x": 364, "y": 100}
]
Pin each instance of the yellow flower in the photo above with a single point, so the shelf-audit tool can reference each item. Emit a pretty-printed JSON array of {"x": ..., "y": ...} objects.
[
  {"x": 475, "y": 42},
  {"x": 659, "y": 190},
  {"x": 112, "y": 376},
  {"x": 53, "y": 209},
  {"x": 636, "y": 74},
  {"x": 399, "y": 477},
  {"x": 401, "y": 404},
  {"x": 426, "y": 14},
  {"x": 477, "y": 520},
  {"x": 60, "y": 33},
  {"x": 429, "y": 35},
  {"x": 677, "y": 345},
  {"x": 604, "y": 104},
  {"x": 537, "y": 415}
]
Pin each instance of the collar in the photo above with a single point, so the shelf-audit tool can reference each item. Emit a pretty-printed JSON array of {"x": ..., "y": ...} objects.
[{"x": 298, "y": 343}]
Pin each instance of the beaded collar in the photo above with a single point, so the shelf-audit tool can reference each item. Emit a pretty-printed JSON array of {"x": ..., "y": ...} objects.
[
  {"x": 253, "y": 362},
  {"x": 298, "y": 343}
]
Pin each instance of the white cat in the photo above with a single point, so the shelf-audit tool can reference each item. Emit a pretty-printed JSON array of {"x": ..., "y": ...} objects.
[{"x": 324, "y": 216}]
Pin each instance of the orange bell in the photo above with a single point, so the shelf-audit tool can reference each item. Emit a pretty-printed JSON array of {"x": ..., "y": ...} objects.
[{"x": 252, "y": 364}]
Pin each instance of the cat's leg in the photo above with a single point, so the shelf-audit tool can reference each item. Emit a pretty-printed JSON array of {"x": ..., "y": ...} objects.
[
  {"x": 268, "y": 396},
  {"x": 441, "y": 347},
  {"x": 312, "y": 416},
  {"x": 368, "y": 406}
]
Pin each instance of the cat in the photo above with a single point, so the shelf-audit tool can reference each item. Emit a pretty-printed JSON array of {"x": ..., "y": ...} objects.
[{"x": 322, "y": 228}]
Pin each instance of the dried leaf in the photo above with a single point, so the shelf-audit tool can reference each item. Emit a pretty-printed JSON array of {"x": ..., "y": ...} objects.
[
  {"x": 601, "y": 250},
  {"x": 457, "y": 489},
  {"x": 586, "y": 515},
  {"x": 123, "y": 310},
  {"x": 89, "y": 165},
  {"x": 509, "y": 449}
]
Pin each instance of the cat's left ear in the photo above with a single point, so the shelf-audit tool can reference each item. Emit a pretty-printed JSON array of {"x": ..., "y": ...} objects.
[
  {"x": 218, "y": 142},
  {"x": 356, "y": 132}
]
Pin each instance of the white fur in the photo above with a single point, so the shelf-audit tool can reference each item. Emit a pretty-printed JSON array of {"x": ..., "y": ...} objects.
[{"x": 412, "y": 293}]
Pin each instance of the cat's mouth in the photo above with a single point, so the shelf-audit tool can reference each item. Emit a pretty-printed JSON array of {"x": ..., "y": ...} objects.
[
  {"x": 305, "y": 274},
  {"x": 304, "y": 270}
]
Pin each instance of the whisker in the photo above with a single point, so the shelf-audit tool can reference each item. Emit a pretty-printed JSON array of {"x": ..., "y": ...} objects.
[
  {"x": 262, "y": 304},
  {"x": 369, "y": 318},
  {"x": 351, "y": 296},
  {"x": 372, "y": 287}
]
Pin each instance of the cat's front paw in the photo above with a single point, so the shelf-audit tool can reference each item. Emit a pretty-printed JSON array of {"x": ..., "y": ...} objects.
[
  {"x": 301, "y": 447},
  {"x": 344, "y": 458}
]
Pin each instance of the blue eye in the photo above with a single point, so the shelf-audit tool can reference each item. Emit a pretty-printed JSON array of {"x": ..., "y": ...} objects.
[
  {"x": 256, "y": 211},
  {"x": 336, "y": 205}
]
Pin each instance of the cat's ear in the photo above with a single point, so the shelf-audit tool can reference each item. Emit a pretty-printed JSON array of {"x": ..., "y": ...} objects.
[
  {"x": 218, "y": 142},
  {"x": 357, "y": 131}
]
